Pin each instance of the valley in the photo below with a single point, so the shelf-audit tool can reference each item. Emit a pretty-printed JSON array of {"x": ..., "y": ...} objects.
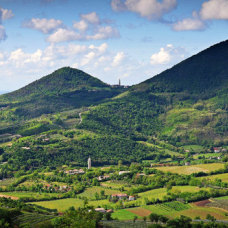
[{"x": 158, "y": 149}]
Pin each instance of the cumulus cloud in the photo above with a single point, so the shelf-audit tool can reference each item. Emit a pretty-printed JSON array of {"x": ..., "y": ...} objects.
[
  {"x": 81, "y": 25},
  {"x": 5, "y": 14},
  {"x": 188, "y": 24},
  {"x": 118, "y": 58},
  {"x": 105, "y": 32},
  {"x": 167, "y": 55},
  {"x": 44, "y": 25},
  {"x": 91, "y": 18},
  {"x": 215, "y": 9},
  {"x": 150, "y": 9},
  {"x": 62, "y": 35},
  {"x": 89, "y": 27}
]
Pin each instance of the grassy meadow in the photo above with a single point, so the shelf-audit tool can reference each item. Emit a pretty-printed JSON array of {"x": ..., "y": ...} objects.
[{"x": 187, "y": 170}]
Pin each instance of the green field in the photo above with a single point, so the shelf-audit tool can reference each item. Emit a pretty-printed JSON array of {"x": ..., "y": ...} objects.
[
  {"x": 6, "y": 182},
  {"x": 64, "y": 204},
  {"x": 207, "y": 155},
  {"x": 187, "y": 170},
  {"x": 161, "y": 192},
  {"x": 194, "y": 148},
  {"x": 89, "y": 192},
  {"x": 223, "y": 177},
  {"x": 116, "y": 185},
  {"x": 34, "y": 195},
  {"x": 31, "y": 219}
]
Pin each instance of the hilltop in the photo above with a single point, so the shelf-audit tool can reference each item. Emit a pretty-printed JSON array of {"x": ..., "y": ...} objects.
[{"x": 64, "y": 89}]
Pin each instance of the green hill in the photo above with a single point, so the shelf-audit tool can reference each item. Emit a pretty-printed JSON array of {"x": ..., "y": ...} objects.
[
  {"x": 64, "y": 89},
  {"x": 154, "y": 120},
  {"x": 186, "y": 104}
]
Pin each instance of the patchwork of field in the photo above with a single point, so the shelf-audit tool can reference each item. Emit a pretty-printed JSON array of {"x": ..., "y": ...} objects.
[
  {"x": 187, "y": 170},
  {"x": 223, "y": 177},
  {"x": 171, "y": 210},
  {"x": 6, "y": 182}
]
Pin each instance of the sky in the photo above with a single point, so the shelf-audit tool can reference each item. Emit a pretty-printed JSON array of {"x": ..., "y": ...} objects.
[{"x": 131, "y": 40}]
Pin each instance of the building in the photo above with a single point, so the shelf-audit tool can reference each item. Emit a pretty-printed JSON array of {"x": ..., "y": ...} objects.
[
  {"x": 131, "y": 198},
  {"x": 89, "y": 163},
  {"x": 120, "y": 196},
  {"x": 217, "y": 149},
  {"x": 123, "y": 172},
  {"x": 101, "y": 210}
]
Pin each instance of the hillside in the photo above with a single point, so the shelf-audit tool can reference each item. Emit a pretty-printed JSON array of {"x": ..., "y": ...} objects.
[
  {"x": 203, "y": 74},
  {"x": 183, "y": 107},
  {"x": 64, "y": 89},
  {"x": 186, "y": 104}
]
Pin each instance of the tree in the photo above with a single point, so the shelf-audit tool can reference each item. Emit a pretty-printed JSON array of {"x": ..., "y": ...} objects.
[
  {"x": 135, "y": 218},
  {"x": 154, "y": 217}
]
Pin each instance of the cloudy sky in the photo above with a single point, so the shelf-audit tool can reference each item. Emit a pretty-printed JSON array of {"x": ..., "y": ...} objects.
[{"x": 128, "y": 39}]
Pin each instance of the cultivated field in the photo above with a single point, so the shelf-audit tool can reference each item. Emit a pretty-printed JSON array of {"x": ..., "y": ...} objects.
[
  {"x": 187, "y": 170},
  {"x": 223, "y": 177},
  {"x": 171, "y": 210},
  {"x": 64, "y": 204},
  {"x": 90, "y": 192}
]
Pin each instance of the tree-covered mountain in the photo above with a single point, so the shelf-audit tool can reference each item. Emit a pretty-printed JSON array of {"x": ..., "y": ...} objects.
[
  {"x": 64, "y": 89},
  {"x": 154, "y": 120},
  {"x": 186, "y": 104},
  {"x": 203, "y": 74}
]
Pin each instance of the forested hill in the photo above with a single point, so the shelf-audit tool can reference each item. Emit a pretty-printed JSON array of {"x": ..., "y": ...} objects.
[
  {"x": 61, "y": 81},
  {"x": 204, "y": 73},
  {"x": 186, "y": 104},
  {"x": 64, "y": 89}
]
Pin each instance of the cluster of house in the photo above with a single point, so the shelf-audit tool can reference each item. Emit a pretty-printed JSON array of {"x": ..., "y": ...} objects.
[
  {"x": 122, "y": 196},
  {"x": 101, "y": 178},
  {"x": 102, "y": 210},
  {"x": 219, "y": 149},
  {"x": 74, "y": 171},
  {"x": 63, "y": 188}
]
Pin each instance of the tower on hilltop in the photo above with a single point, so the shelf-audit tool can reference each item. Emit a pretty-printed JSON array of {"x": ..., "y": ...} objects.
[
  {"x": 89, "y": 163},
  {"x": 119, "y": 82}
]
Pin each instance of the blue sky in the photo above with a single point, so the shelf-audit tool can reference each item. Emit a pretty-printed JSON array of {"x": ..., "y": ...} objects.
[{"x": 128, "y": 39}]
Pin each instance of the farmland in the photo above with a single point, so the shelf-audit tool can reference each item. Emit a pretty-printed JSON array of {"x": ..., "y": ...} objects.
[
  {"x": 223, "y": 177},
  {"x": 64, "y": 204},
  {"x": 187, "y": 170},
  {"x": 171, "y": 210}
]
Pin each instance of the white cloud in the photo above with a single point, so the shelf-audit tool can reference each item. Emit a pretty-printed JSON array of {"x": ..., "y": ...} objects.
[
  {"x": 162, "y": 57},
  {"x": 118, "y": 58},
  {"x": 168, "y": 55},
  {"x": 91, "y": 18},
  {"x": 63, "y": 35},
  {"x": 44, "y": 25},
  {"x": 151, "y": 9},
  {"x": 187, "y": 24},
  {"x": 89, "y": 27},
  {"x": 5, "y": 14},
  {"x": 214, "y": 9},
  {"x": 102, "y": 33},
  {"x": 81, "y": 25}
]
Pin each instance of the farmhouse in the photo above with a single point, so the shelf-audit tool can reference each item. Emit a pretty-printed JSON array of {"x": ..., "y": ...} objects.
[
  {"x": 217, "y": 149},
  {"x": 123, "y": 172},
  {"x": 120, "y": 196}
]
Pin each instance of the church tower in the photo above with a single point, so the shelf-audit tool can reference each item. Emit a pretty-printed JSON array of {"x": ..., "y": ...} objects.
[{"x": 89, "y": 163}]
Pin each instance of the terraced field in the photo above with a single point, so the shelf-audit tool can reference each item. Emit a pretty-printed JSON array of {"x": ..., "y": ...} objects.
[{"x": 32, "y": 219}]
